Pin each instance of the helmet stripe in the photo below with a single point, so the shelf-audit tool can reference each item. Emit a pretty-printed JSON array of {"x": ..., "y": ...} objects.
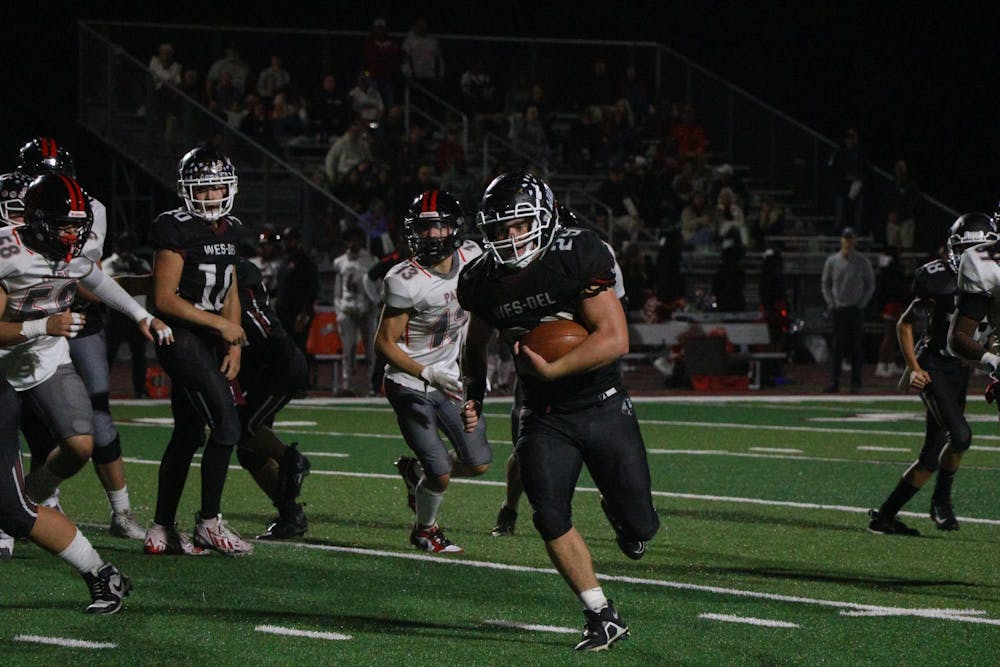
[
  {"x": 48, "y": 147},
  {"x": 75, "y": 194},
  {"x": 434, "y": 200}
]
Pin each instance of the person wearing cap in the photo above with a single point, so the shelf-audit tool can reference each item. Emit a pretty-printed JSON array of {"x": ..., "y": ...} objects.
[{"x": 848, "y": 284}]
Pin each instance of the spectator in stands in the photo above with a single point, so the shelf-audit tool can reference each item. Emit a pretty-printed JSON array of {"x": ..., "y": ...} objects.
[
  {"x": 232, "y": 63},
  {"x": 366, "y": 101},
  {"x": 374, "y": 223},
  {"x": 849, "y": 169},
  {"x": 683, "y": 184},
  {"x": 615, "y": 194},
  {"x": 599, "y": 89},
  {"x": 770, "y": 222},
  {"x": 729, "y": 280},
  {"x": 225, "y": 98},
  {"x": 257, "y": 125},
  {"x": 448, "y": 151},
  {"x": 698, "y": 223},
  {"x": 165, "y": 70},
  {"x": 382, "y": 61},
  {"x": 634, "y": 90},
  {"x": 298, "y": 284},
  {"x": 585, "y": 140},
  {"x": 848, "y": 284},
  {"x": 329, "y": 110},
  {"x": 893, "y": 294},
  {"x": 537, "y": 97},
  {"x": 273, "y": 79},
  {"x": 726, "y": 178},
  {"x": 689, "y": 134},
  {"x": 422, "y": 58},
  {"x": 353, "y": 148},
  {"x": 480, "y": 99},
  {"x": 288, "y": 116},
  {"x": 619, "y": 139},
  {"x": 529, "y": 135},
  {"x": 733, "y": 230},
  {"x": 415, "y": 150},
  {"x": 902, "y": 200},
  {"x": 388, "y": 138}
]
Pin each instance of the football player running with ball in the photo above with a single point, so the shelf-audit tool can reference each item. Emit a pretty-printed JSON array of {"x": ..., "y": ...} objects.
[
  {"x": 940, "y": 377},
  {"x": 421, "y": 334},
  {"x": 576, "y": 410},
  {"x": 195, "y": 290}
]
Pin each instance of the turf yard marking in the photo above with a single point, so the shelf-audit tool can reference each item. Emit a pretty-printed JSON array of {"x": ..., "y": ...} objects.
[
  {"x": 727, "y": 618},
  {"x": 533, "y": 628},
  {"x": 929, "y": 613},
  {"x": 866, "y": 448},
  {"x": 62, "y": 641},
  {"x": 660, "y": 494},
  {"x": 776, "y": 450},
  {"x": 794, "y": 429},
  {"x": 311, "y": 634},
  {"x": 169, "y": 421}
]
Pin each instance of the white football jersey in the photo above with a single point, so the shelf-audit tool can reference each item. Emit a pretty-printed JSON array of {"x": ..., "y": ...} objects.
[
  {"x": 979, "y": 273},
  {"x": 35, "y": 287},
  {"x": 350, "y": 296},
  {"x": 437, "y": 324},
  {"x": 93, "y": 249}
]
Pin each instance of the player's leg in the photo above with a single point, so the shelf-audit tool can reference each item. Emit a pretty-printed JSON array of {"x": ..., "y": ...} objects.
[
  {"x": 51, "y": 530},
  {"x": 950, "y": 398},
  {"x": 90, "y": 358},
  {"x": 417, "y": 419},
  {"x": 472, "y": 454},
  {"x": 62, "y": 400}
]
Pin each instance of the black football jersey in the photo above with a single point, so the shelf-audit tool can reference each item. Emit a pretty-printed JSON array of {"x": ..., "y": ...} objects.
[
  {"x": 209, "y": 255},
  {"x": 576, "y": 265},
  {"x": 935, "y": 285}
]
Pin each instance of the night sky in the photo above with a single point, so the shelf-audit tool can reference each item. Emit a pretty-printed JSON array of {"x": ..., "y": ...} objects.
[{"x": 918, "y": 80}]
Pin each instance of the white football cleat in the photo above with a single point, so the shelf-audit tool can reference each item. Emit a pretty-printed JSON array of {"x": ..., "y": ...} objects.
[
  {"x": 216, "y": 534},
  {"x": 166, "y": 540},
  {"x": 124, "y": 525}
]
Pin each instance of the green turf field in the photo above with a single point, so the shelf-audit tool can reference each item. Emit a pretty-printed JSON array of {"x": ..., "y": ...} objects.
[{"x": 762, "y": 503}]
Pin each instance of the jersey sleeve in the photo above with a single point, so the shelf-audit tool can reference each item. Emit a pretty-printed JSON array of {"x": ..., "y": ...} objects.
[
  {"x": 975, "y": 283},
  {"x": 396, "y": 292},
  {"x": 93, "y": 249},
  {"x": 592, "y": 263},
  {"x": 166, "y": 234},
  {"x": 468, "y": 282}
]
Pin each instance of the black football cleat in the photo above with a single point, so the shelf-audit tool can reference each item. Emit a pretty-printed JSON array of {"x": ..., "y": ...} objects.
[
  {"x": 889, "y": 525},
  {"x": 411, "y": 471},
  {"x": 943, "y": 515},
  {"x": 108, "y": 588},
  {"x": 294, "y": 467},
  {"x": 506, "y": 518},
  {"x": 634, "y": 549},
  {"x": 290, "y": 522},
  {"x": 602, "y": 629}
]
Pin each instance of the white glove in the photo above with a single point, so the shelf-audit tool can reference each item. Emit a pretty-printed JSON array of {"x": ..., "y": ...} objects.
[
  {"x": 990, "y": 361},
  {"x": 442, "y": 377}
]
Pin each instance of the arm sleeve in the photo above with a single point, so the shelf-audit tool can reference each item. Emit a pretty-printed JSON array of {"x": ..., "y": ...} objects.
[{"x": 110, "y": 292}]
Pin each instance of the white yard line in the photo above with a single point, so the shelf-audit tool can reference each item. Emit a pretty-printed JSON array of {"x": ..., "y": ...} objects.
[
  {"x": 533, "y": 628},
  {"x": 62, "y": 641},
  {"x": 866, "y": 448},
  {"x": 292, "y": 632},
  {"x": 776, "y": 450},
  {"x": 727, "y": 618}
]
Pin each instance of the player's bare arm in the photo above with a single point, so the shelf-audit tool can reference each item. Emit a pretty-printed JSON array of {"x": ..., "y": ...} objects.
[
  {"x": 232, "y": 313},
  {"x": 167, "y": 268},
  {"x": 390, "y": 329},
  {"x": 918, "y": 377},
  {"x": 604, "y": 318}
]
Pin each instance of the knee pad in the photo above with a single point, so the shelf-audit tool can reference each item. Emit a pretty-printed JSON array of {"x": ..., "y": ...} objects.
[
  {"x": 250, "y": 460},
  {"x": 551, "y": 523},
  {"x": 108, "y": 453}
]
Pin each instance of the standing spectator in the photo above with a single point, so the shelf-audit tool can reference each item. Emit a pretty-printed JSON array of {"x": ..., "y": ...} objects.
[
  {"x": 366, "y": 101},
  {"x": 354, "y": 309},
  {"x": 422, "y": 59},
  {"x": 689, "y": 134},
  {"x": 329, "y": 110},
  {"x": 848, "y": 167},
  {"x": 273, "y": 80},
  {"x": 165, "y": 70},
  {"x": 848, "y": 284},
  {"x": 353, "y": 148},
  {"x": 382, "y": 60},
  {"x": 375, "y": 225},
  {"x": 232, "y": 63},
  {"x": 902, "y": 201},
  {"x": 298, "y": 284}
]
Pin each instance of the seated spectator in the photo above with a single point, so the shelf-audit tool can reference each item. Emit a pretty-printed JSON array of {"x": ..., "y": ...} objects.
[
  {"x": 683, "y": 183},
  {"x": 232, "y": 64},
  {"x": 529, "y": 135},
  {"x": 414, "y": 150},
  {"x": 257, "y": 125},
  {"x": 288, "y": 117},
  {"x": 382, "y": 60},
  {"x": 273, "y": 79},
  {"x": 619, "y": 138},
  {"x": 329, "y": 110},
  {"x": 698, "y": 223},
  {"x": 770, "y": 222},
  {"x": 388, "y": 139},
  {"x": 585, "y": 138},
  {"x": 726, "y": 178},
  {"x": 366, "y": 101},
  {"x": 448, "y": 151},
  {"x": 191, "y": 85},
  {"x": 353, "y": 148},
  {"x": 733, "y": 229},
  {"x": 689, "y": 134},
  {"x": 225, "y": 98}
]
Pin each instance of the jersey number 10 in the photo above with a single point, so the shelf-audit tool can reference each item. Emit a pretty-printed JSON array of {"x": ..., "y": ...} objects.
[{"x": 214, "y": 294}]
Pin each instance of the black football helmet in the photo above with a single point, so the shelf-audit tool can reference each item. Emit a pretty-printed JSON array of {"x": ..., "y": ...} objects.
[
  {"x": 969, "y": 230},
  {"x": 43, "y": 155},
  {"x": 429, "y": 210},
  {"x": 12, "y": 188},
  {"x": 517, "y": 196},
  {"x": 57, "y": 217},
  {"x": 201, "y": 168}
]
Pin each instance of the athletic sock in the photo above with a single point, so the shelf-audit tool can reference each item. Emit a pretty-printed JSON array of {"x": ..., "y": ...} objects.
[
  {"x": 899, "y": 497},
  {"x": 81, "y": 555},
  {"x": 119, "y": 500},
  {"x": 428, "y": 503},
  {"x": 593, "y": 599},
  {"x": 942, "y": 487}
]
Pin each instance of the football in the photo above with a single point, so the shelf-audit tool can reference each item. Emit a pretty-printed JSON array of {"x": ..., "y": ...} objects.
[{"x": 555, "y": 338}]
